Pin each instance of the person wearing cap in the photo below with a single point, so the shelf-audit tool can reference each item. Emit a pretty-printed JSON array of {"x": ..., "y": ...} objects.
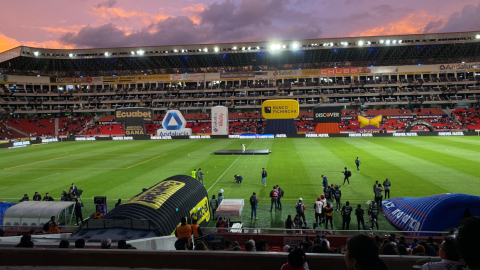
[
  {"x": 106, "y": 243},
  {"x": 184, "y": 230},
  {"x": 318, "y": 206},
  {"x": 300, "y": 207},
  {"x": 386, "y": 186}
]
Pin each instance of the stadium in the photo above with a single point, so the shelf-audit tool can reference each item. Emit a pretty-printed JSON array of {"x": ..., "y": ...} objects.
[{"x": 131, "y": 124}]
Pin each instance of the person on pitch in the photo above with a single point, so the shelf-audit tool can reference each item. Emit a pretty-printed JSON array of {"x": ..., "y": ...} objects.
[
  {"x": 238, "y": 178},
  {"x": 264, "y": 177},
  {"x": 357, "y": 162},
  {"x": 347, "y": 174},
  {"x": 243, "y": 147}
]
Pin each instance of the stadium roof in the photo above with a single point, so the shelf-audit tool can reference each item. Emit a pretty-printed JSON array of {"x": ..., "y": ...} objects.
[{"x": 266, "y": 55}]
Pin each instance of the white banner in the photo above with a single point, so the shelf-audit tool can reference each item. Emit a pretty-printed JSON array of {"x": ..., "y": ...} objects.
[
  {"x": 219, "y": 120},
  {"x": 188, "y": 77}
]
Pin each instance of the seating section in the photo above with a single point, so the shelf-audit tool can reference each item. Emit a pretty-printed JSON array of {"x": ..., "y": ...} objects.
[
  {"x": 469, "y": 117},
  {"x": 429, "y": 111},
  {"x": 387, "y": 112}
]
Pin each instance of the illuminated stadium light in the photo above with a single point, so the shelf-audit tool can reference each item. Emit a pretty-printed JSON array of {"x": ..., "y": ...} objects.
[
  {"x": 132, "y": 52},
  {"x": 107, "y": 54},
  {"x": 394, "y": 41},
  {"x": 387, "y": 42},
  {"x": 216, "y": 49},
  {"x": 274, "y": 47},
  {"x": 249, "y": 48},
  {"x": 36, "y": 53},
  {"x": 175, "y": 51},
  {"x": 140, "y": 52},
  {"x": 234, "y": 48},
  {"x": 284, "y": 46},
  {"x": 344, "y": 43},
  {"x": 360, "y": 43},
  {"x": 382, "y": 41},
  {"x": 243, "y": 48},
  {"x": 258, "y": 48},
  {"x": 400, "y": 41},
  {"x": 369, "y": 42},
  {"x": 70, "y": 55},
  {"x": 295, "y": 46},
  {"x": 205, "y": 50},
  {"x": 477, "y": 36}
]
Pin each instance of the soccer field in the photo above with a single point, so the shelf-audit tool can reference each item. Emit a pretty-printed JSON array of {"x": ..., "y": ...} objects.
[{"x": 419, "y": 166}]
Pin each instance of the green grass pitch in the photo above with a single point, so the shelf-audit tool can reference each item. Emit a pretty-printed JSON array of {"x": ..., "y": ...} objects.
[{"x": 417, "y": 167}]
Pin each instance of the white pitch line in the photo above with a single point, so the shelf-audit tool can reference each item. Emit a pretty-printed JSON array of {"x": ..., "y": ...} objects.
[
  {"x": 45, "y": 176},
  {"x": 229, "y": 168}
]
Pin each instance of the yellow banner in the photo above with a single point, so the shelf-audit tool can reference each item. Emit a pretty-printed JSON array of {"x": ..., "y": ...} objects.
[
  {"x": 157, "y": 195},
  {"x": 280, "y": 109},
  {"x": 311, "y": 72},
  {"x": 119, "y": 79},
  {"x": 201, "y": 211},
  {"x": 157, "y": 77}
]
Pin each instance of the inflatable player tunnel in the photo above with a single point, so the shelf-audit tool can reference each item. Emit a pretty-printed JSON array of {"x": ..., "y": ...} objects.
[
  {"x": 166, "y": 203},
  {"x": 434, "y": 213}
]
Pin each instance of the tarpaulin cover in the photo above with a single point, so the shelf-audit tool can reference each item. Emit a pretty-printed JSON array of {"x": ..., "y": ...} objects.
[{"x": 433, "y": 213}]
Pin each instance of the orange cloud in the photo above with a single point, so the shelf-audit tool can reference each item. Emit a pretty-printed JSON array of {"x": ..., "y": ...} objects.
[
  {"x": 63, "y": 30},
  {"x": 194, "y": 11},
  {"x": 411, "y": 24},
  {"x": 114, "y": 13},
  {"x": 7, "y": 43}
]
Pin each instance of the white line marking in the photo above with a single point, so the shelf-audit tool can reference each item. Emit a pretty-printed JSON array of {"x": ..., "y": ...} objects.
[
  {"x": 228, "y": 168},
  {"x": 446, "y": 149},
  {"x": 45, "y": 176}
]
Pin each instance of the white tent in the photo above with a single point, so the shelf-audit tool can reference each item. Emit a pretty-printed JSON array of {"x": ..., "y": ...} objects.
[{"x": 32, "y": 213}]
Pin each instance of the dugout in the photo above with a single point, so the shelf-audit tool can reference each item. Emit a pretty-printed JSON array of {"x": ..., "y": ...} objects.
[
  {"x": 155, "y": 212},
  {"x": 32, "y": 213},
  {"x": 434, "y": 213}
]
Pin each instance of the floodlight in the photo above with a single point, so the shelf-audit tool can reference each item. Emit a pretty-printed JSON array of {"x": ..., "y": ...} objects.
[
  {"x": 132, "y": 52},
  {"x": 477, "y": 36},
  {"x": 140, "y": 52},
  {"x": 216, "y": 49},
  {"x": 400, "y": 41},
  {"x": 387, "y": 42},
  {"x": 70, "y": 55},
  {"x": 331, "y": 44},
  {"x": 107, "y": 54},
  {"x": 234, "y": 48},
  {"x": 175, "y": 51},
  {"x": 205, "y": 50},
  {"x": 243, "y": 48},
  {"x": 36, "y": 53},
  {"x": 360, "y": 43},
  {"x": 295, "y": 46},
  {"x": 382, "y": 41},
  {"x": 369, "y": 42}
]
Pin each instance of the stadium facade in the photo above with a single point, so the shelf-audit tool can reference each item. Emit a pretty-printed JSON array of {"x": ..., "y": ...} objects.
[{"x": 386, "y": 70}]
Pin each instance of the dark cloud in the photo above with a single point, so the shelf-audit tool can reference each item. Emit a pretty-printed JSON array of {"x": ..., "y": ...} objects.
[
  {"x": 467, "y": 20},
  {"x": 108, "y": 4},
  {"x": 433, "y": 26},
  {"x": 249, "y": 20}
]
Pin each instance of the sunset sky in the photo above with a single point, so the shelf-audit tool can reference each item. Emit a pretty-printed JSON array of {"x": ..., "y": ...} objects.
[{"x": 124, "y": 23}]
